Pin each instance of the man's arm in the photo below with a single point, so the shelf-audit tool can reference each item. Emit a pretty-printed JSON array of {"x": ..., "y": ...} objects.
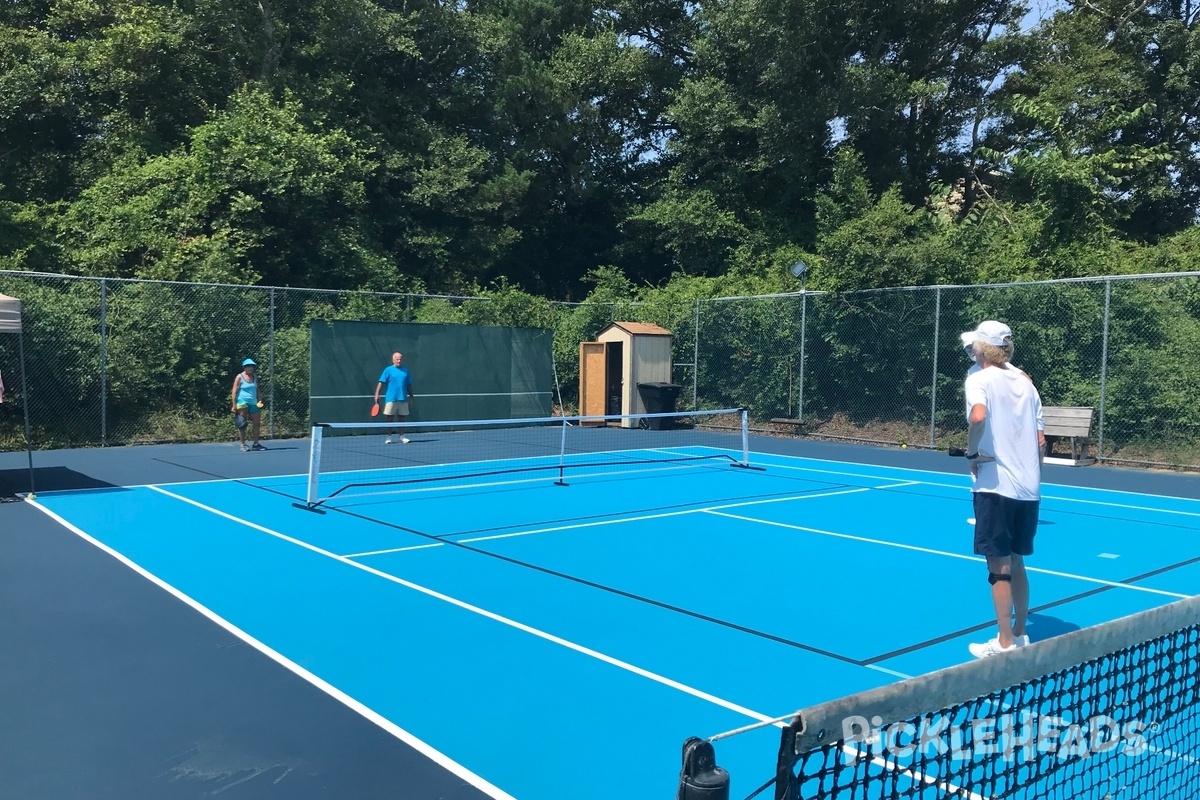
[
  {"x": 975, "y": 425},
  {"x": 378, "y": 389}
]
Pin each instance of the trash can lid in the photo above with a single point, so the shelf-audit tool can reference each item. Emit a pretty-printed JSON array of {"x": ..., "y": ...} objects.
[{"x": 660, "y": 385}]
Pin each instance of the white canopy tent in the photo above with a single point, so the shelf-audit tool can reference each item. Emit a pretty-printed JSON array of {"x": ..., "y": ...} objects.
[
  {"x": 10, "y": 314},
  {"x": 10, "y": 322}
]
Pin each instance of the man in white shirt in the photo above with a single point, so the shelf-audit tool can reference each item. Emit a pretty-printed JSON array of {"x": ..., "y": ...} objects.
[
  {"x": 1004, "y": 449},
  {"x": 968, "y": 340}
]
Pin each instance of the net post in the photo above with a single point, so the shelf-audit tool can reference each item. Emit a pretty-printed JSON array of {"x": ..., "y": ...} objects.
[
  {"x": 745, "y": 437},
  {"x": 701, "y": 778},
  {"x": 785, "y": 762},
  {"x": 314, "y": 466},
  {"x": 562, "y": 455}
]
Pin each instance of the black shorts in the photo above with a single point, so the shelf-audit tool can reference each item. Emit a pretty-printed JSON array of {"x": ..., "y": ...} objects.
[{"x": 1003, "y": 526}]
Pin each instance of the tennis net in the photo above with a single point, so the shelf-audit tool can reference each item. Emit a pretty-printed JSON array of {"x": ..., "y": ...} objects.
[
  {"x": 362, "y": 459},
  {"x": 1111, "y": 711}
]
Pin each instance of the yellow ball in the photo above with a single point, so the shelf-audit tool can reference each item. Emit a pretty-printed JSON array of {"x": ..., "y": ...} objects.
[{"x": 903, "y": 447}]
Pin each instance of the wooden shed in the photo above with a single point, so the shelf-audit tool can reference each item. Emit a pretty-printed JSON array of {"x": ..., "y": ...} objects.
[{"x": 625, "y": 354}]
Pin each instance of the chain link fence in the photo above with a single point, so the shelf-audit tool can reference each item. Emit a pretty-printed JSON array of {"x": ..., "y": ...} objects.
[
  {"x": 119, "y": 362},
  {"x": 115, "y": 362},
  {"x": 887, "y": 365}
]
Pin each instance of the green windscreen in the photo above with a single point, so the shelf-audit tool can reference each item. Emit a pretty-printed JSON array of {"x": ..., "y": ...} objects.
[{"x": 458, "y": 371}]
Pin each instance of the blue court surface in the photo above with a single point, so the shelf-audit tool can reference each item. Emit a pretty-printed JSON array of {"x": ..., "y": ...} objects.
[{"x": 542, "y": 642}]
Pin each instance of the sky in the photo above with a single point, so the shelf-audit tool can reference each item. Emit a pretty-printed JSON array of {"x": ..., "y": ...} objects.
[{"x": 1039, "y": 10}]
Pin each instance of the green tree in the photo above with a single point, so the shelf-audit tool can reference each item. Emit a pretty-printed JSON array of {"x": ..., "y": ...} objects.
[
  {"x": 1099, "y": 122},
  {"x": 255, "y": 195}
]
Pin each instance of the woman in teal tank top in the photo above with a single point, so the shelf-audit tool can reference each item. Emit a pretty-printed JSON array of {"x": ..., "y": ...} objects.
[{"x": 246, "y": 405}]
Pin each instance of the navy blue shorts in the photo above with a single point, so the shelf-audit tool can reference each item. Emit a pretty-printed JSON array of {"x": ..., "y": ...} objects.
[{"x": 1003, "y": 526}]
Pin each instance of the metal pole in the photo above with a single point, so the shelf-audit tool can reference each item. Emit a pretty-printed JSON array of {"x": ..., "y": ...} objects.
[
  {"x": 25, "y": 403},
  {"x": 103, "y": 362},
  {"x": 803, "y": 331},
  {"x": 696, "y": 360},
  {"x": 937, "y": 319},
  {"x": 271, "y": 364},
  {"x": 1104, "y": 368}
]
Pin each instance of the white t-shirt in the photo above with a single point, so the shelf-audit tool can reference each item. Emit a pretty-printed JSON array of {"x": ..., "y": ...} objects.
[
  {"x": 1010, "y": 432},
  {"x": 1041, "y": 421}
]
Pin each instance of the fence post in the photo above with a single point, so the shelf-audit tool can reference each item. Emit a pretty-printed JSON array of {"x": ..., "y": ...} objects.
[
  {"x": 1104, "y": 368},
  {"x": 271, "y": 363},
  {"x": 696, "y": 360},
  {"x": 103, "y": 362},
  {"x": 937, "y": 321},
  {"x": 803, "y": 332},
  {"x": 25, "y": 403}
]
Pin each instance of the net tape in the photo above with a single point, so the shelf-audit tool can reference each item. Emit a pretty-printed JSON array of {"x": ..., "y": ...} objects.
[{"x": 1108, "y": 711}]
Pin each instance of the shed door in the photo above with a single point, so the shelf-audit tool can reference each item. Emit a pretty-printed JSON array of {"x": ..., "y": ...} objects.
[{"x": 593, "y": 381}]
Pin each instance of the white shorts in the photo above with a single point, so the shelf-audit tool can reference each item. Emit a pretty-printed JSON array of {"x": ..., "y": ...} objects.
[{"x": 396, "y": 408}]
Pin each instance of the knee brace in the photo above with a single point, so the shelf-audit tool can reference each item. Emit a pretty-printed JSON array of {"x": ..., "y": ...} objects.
[{"x": 994, "y": 578}]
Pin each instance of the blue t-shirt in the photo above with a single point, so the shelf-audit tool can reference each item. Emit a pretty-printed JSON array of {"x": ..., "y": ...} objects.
[{"x": 397, "y": 383}]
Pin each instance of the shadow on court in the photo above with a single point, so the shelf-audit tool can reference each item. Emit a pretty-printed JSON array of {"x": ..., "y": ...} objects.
[
  {"x": 1043, "y": 626},
  {"x": 46, "y": 479}
]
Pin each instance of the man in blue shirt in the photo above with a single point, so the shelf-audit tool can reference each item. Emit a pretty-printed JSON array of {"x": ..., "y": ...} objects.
[{"x": 399, "y": 394}]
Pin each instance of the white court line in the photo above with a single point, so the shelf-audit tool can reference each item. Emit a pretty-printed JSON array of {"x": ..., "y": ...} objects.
[
  {"x": 877, "y": 668},
  {"x": 623, "y": 520},
  {"x": 433, "y": 593},
  {"x": 436, "y": 756},
  {"x": 954, "y": 790},
  {"x": 1126, "y": 506},
  {"x": 874, "y": 667},
  {"x": 946, "y": 553},
  {"x": 771, "y": 460},
  {"x": 417, "y": 744},
  {"x": 960, "y": 486},
  {"x": 765, "y": 458},
  {"x": 1172, "y": 754}
]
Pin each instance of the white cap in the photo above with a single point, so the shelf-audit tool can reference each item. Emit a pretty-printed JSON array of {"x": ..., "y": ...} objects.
[{"x": 989, "y": 332}]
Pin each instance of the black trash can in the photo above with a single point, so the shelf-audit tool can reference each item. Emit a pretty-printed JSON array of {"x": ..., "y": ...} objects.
[{"x": 659, "y": 398}]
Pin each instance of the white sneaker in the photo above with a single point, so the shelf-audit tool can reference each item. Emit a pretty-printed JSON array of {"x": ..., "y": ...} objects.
[
  {"x": 1022, "y": 640},
  {"x": 388, "y": 440},
  {"x": 989, "y": 648},
  {"x": 403, "y": 440}
]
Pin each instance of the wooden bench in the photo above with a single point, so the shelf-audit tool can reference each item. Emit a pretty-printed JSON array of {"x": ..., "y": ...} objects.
[{"x": 1069, "y": 422}]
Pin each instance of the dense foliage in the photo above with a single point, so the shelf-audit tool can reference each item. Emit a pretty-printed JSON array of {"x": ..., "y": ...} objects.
[
  {"x": 641, "y": 156},
  {"x": 425, "y": 145},
  {"x": 116, "y": 361}
]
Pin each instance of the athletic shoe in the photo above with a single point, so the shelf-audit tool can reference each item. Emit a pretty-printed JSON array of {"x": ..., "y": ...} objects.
[
  {"x": 245, "y": 448},
  {"x": 989, "y": 648},
  {"x": 1022, "y": 640},
  {"x": 388, "y": 440},
  {"x": 403, "y": 440},
  {"x": 258, "y": 446}
]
